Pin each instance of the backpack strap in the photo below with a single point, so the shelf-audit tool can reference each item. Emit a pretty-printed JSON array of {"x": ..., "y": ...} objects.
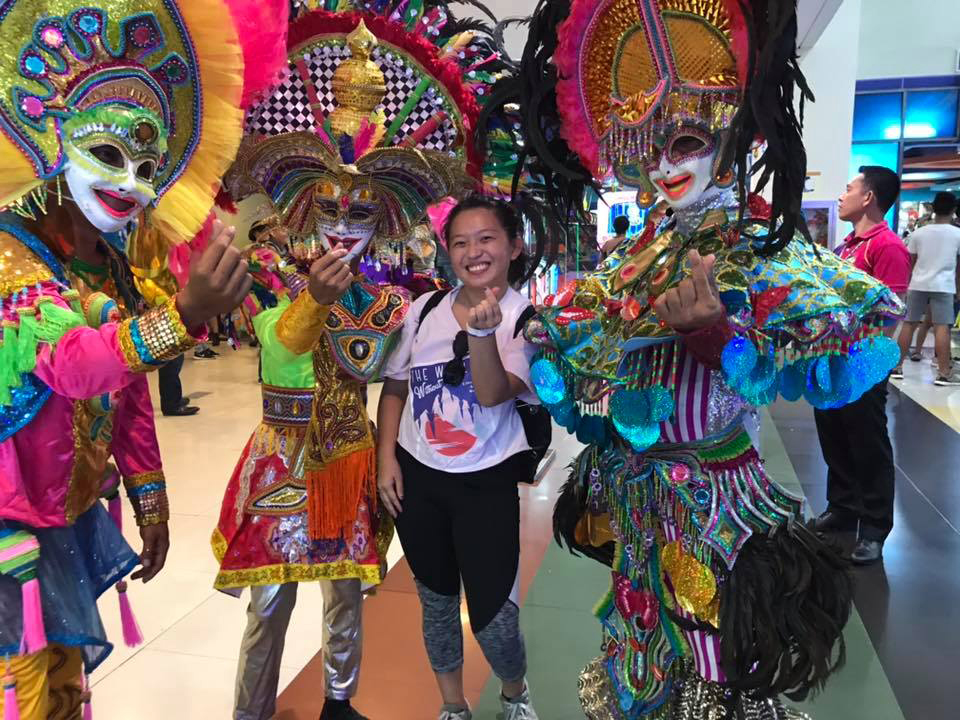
[
  {"x": 526, "y": 316},
  {"x": 432, "y": 302}
]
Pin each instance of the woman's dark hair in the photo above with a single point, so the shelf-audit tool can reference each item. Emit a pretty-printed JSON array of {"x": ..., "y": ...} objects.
[
  {"x": 509, "y": 218},
  {"x": 621, "y": 223}
]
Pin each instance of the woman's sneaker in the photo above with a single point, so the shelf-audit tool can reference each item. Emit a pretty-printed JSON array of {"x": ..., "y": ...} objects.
[
  {"x": 520, "y": 708},
  {"x": 947, "y": 380},
  {"x": 897, "y": 374},
  {"x": 448, "y": 712}
]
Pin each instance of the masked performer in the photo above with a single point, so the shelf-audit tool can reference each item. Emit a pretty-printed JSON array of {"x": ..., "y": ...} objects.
[
  {"x": 367, "y": 131},
  {"x": 720, "y": 599},
  {"x": 106, "y": 111}
]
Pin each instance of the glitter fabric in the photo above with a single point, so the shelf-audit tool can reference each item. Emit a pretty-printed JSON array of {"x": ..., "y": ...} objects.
[
  {"x": 694, "y": 586},
  {"x": 548, "y": 382},
  {"x": 696, "y": 699}
]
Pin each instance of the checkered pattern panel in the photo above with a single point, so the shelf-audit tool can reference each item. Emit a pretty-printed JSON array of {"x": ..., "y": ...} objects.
[
  {"x": 288, "y": 109},
  {"x": 402, "y": 79}
]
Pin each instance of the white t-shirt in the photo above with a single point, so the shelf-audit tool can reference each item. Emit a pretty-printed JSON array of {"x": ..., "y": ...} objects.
[
  {"x": 937, "y": 247},
  {"x": 444, "y": 427}
]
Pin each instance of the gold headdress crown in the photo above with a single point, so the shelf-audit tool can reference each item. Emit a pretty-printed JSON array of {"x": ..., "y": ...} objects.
[{"x": 358, "y": 84}]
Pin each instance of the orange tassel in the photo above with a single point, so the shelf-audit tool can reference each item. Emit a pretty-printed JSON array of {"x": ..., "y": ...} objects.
[{"x": 335, "y": 490}]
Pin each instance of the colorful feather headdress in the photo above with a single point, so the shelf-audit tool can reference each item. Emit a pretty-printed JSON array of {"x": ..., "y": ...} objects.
[
  {"x": 380, "y": 98},
  {"x": 70, "y": 66}
]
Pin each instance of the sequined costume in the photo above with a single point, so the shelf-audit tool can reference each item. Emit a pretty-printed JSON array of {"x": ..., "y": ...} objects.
[
  {"x": 365, "y": 133},
  {"x": 720, "y": 599},
  {"x": 106, "y": 109}
]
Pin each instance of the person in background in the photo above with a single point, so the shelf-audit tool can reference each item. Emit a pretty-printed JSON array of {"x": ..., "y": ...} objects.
[
  {"x": 934, "y": 250},
  {"x": 621, "y": 224},
  {"x": 854, "y": 438}
]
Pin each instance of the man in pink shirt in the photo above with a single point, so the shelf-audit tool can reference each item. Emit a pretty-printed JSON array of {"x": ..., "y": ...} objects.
[{"x": 854, "y": 439}]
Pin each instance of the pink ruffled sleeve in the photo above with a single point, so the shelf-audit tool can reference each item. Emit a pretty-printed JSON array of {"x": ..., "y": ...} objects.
[{"x": 137, "y": 453}]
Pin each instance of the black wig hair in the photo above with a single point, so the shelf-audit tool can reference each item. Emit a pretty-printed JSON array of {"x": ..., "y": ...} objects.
[{"x": 771, "y": 111}]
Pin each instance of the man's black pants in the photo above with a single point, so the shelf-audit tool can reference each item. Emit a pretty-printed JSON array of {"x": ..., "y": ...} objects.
[
  {"x": 171, "y": 391},
  {"x": 856, "y": 447}
]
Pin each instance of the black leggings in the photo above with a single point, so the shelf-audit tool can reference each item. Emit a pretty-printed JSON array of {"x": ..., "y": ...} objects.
[{"x": 465, "y": 526}]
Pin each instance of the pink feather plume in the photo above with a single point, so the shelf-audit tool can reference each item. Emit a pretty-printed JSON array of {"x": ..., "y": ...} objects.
[{"x": 262, "y": 29}]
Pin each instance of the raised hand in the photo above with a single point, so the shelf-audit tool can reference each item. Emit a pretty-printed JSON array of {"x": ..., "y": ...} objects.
[
  {"x": 486, "y": 315},
  {"x": 330, "y": 276},
  {"x": 694, "y": 303},
  {"x": 218, "y": 282}
]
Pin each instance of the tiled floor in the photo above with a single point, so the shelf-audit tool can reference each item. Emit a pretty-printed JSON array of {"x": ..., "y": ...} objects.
[{"x": 899, "y": 642}]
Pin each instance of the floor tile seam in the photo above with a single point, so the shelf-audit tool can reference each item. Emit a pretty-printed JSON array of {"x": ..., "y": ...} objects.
[
  {"x": 919, "y": 400},
  {"x": 926, "y": 499}
]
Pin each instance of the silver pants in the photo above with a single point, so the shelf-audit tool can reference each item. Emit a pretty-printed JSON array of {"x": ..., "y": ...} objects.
[{"x": 268, "y": 615}]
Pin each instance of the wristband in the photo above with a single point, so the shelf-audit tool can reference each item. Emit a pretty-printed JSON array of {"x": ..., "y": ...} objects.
[{"x": 481, "y": 333}]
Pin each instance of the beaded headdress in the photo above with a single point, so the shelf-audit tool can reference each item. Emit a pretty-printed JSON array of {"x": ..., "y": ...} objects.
[
  {"x": 380, "y": 104},
  {"x": 163, "y": 78},
  {"x": 602, "y": 83},
  {"x": 628, "y": 69}
]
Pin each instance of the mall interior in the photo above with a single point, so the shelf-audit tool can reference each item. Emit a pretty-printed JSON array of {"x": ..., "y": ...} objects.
[{"x": 886, "y": 79}]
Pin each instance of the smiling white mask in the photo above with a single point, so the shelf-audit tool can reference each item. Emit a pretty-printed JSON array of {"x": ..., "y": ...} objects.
[{"x": 112, "y": 160}]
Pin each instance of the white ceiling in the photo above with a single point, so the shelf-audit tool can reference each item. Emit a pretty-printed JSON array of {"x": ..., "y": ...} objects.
[{"x": 812, "y": 16}]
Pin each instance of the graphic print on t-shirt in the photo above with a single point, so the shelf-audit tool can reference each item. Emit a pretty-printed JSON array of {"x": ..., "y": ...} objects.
[{"x": 448, "y": 416}]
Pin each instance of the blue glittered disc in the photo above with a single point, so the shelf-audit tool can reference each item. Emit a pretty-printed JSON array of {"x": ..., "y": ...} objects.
[
  {"x": 738, "y": 359},
  {"x": 632, "y": 416},
  {"x": 661, "y": 403},
  {"x": 829, "y": 382},
  {"x": 548, "y": 381},
  {"x": 793, "y": 380}
]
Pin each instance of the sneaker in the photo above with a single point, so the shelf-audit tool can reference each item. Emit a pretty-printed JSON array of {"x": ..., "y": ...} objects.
[
  {"x": 947, "y": 381},
  {"x": 897, "y": 374},
  {"x": 916, "y": 356},
  {"x": 519, "y": 708},
  {"x": 448, "y": 712}
]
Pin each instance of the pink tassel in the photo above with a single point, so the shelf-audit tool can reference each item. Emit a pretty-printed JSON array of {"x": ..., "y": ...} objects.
[
  {"x": 132, "y": 636},
  {"x": 87, "y": 696},
  {"x": 11, "y": 711},
  {"x": 115, "y": 508},
  {"x": 34, "y": 634}
]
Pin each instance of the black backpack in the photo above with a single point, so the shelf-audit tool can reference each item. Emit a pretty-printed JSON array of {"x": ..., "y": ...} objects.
[{"x": 535, "y": 418}]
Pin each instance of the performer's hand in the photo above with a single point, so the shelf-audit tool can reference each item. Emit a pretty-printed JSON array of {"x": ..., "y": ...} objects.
[
  {"x": 695, "y": 302},
  {"x": 487, "y": 314},
  {"x": 390, "y": 484},
  {"x": 219, "y": 280},
  {"x": 330, "y": 276},
  {"x": 156, "y": 542}
]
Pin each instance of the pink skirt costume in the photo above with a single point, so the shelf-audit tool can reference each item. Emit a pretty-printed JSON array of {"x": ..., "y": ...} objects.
[{"x": 266, "y": 534}]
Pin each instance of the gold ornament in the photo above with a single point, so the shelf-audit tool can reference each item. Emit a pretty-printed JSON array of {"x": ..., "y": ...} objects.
[
  {"x": 694, "y": 585},
  {"x": 358, "y": 84},
  {"x": 646, "y": 199}
]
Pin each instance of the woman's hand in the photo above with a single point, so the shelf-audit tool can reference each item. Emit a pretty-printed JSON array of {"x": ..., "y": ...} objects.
[
  {"x": 390, "y": 484},
  {"x": 486, "y": 315}
]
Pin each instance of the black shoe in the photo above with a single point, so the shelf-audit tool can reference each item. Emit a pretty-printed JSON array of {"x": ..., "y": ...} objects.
[
  {"x": 184, "y": 402},
  {"x": 206, "y": 354},
  {"x": 182, "y": 411},
  {"x": 339, "y": 710},
  {"x": 214, "y": 339},
  {"x": 832, "y": 521},
  {"x": 867, "y": 552}
]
